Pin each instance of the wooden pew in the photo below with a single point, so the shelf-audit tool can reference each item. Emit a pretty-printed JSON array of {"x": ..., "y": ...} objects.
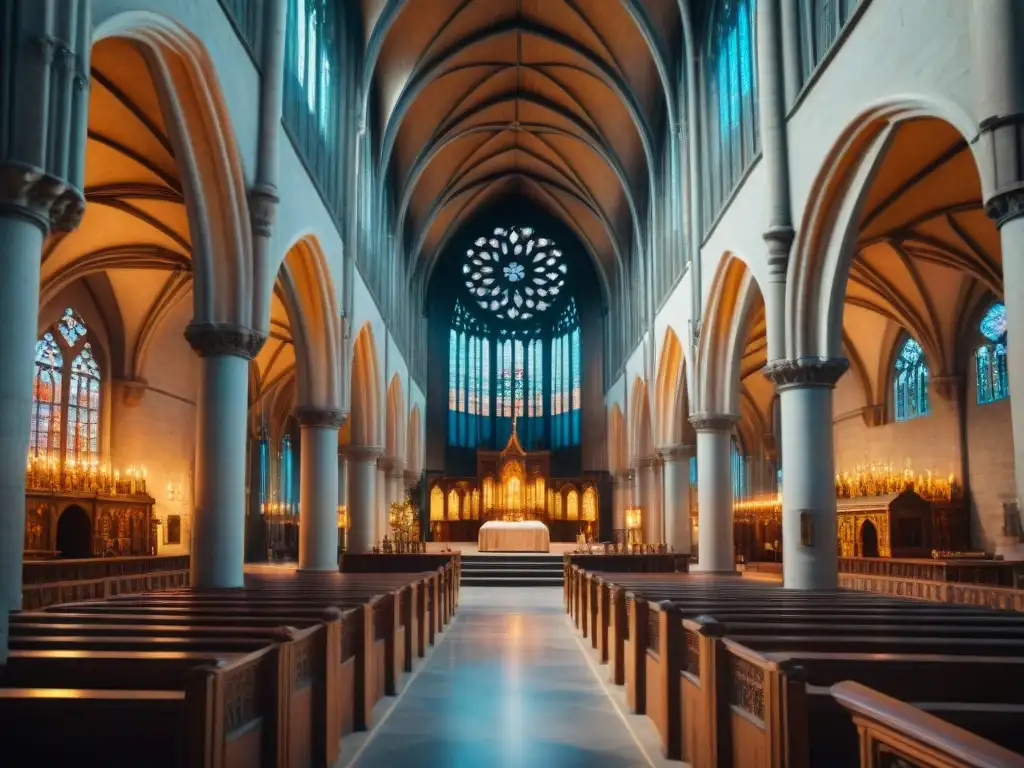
[{"x": 892, "y": 732}]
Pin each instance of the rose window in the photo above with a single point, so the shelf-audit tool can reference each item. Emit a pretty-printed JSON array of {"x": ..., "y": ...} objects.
[{"x": 514, "y": 273}]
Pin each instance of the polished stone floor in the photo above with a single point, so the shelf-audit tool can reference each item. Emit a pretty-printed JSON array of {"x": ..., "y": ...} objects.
[{"x": 509, "y": 685}]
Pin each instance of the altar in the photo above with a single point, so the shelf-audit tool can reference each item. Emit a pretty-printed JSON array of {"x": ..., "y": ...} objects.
[{"x": 526, "y": 536}]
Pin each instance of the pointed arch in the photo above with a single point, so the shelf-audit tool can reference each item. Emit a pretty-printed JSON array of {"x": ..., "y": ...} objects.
[
  {"x": 724, "y": 328},
  {"x": 366, "y": 391},
  {"x": 396, "y": 426},
  {"x": 307, "y": 290},
  {"x": 641, "y": 444},
  {"x": 618, "y": 448},
  {"x": 210, "y": 166},
  {"x": 413, "y": 442},
  {"x": 671, "y": 400}
]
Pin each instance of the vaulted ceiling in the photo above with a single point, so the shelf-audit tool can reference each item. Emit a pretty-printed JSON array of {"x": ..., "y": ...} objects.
[{"x": 560, "y": 101}]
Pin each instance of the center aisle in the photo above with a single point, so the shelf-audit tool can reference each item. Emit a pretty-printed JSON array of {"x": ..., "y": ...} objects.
[{"x": 507, "y": 686}]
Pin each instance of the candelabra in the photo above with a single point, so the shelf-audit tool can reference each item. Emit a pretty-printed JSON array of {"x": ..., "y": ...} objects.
[
  {"x": 46, "y": 473},
  {"x": 880, "y": 479}
]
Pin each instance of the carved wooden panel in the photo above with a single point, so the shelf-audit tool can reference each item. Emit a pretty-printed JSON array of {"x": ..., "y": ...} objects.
[{"x": 747, "y": 687}]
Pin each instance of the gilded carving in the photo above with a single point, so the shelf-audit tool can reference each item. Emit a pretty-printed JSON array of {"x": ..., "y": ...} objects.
[
  {"x": 747, "y": 687},
  {"x": 691, "y": 653},
  {"x": 653, "y": 631}
]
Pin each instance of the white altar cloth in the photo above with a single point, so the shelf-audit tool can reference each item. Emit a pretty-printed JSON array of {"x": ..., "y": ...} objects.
[{"x": 528, "y": 536}]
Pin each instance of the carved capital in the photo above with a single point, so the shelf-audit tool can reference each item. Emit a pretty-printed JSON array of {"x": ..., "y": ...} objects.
[
  {"x": 713, "y": 422},
  {"x": 621, "y": 479},
  {"x": 780, "y": 241},
  {"x": 263, "y": 202},
  {"x": 806, "y": 372},
  {"x": 44, "y": 200},
  {"x": 363, "y": 454},
  {"x": 313, "y": 416},
  {"x": 677, "y": 452},
  {"x": 1006, "y": 206},
  {"x": 647, "y": 462},
  {"x": 132, "y": 391},
  {"x": 220, "y": 339}
]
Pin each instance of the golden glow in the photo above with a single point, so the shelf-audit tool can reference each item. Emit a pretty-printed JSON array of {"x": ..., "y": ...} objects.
[
  {"x": 436, "y": 504},
  {"x": 572, "y": 505},
  {"x": 880, "y": 479},
  {"x": 453, "y": 505},
  {"x": 590, "y": 504}
]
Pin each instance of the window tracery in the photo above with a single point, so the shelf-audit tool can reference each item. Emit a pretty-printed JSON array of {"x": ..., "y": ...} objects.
[
  {"x": 66, "y": 394},
  {"x": 910, "y": 382},
  {"x": 990, "y": 356}
]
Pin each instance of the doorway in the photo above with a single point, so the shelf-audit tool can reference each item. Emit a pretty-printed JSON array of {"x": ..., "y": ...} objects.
[
  {"x": 74, "y": 533},
  {"x": 868, "y": 540}
]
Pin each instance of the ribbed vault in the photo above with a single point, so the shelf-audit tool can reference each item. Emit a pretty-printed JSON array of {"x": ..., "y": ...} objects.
[{"x": 559, "y": 101}]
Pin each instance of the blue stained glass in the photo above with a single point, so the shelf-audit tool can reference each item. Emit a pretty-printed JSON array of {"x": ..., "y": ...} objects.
[
  {"x": 993, "y": 324},
  {"x": 71, "y": 327},
  {"x": 460, "y": 400},
  {"x": 576, "y": 400},
  {"x": 746, "y": 62},
  {"x": 485, "y": 368},
  {"x": 984, "y": 364},
  {"x": 910, "y": 382},
  {"x": 453, "y": 368},
  {"x": 1001, "y": 386},
  {"x": 531, "y": 375},
  {"x": 506, "y": 379},
  {"x": 519, "y": 377}
]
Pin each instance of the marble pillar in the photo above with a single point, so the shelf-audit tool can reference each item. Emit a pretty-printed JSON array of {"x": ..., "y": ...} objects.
[
  {"x": 676, "y": 462},
  {"x": 714, "y": 492},
  {"x": 620, "y": 500},
  {"x": 218, "y": 526},
  {"x": 809, "y": 526},
  {"x": 43, "y": 118},
  {"x": 362, "y": 497},
  {"x": 318, "y": 494},
  {"x": 383, "y": 503}
]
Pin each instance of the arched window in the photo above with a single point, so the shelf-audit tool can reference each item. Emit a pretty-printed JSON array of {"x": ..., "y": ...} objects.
[
  {"x": 515, "y": 327},
  {"x": 590, "y": 504},
  {"x": 730, "y": 83},
  {"x": 910, "y": 382},
  {"x": 565, "y": 379},
  {"x": 453, "y": 504},
  {"x": 436, "y": 504},
  {"x": 475, "y": 501},
  {"x": 739, "y": 471},
  {"x": 821, "y": 22},
  {"x": 289, "y": 492},
  {"x": 572, "y": 505},
  {"x": 66, "y": 391},
  {"x": 990, "y": 356}
]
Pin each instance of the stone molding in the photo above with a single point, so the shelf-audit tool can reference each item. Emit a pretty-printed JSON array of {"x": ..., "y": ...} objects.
[
  {"x": 363, "y": 454},
  {"x": 132, "y": 391},
  {"x": 677, "y": 452},
  {"x": 316, "y": 416},
  {"x": 713, "y": 422},
  {"x": 947, "y": 388},
  {"x": 263, "y": 202},
  {"x": 220, "y": 339},
  {"x": 806, "y": 372},
  {"x": 43, "y": 200},
  {"x": 647, "y": 462}
]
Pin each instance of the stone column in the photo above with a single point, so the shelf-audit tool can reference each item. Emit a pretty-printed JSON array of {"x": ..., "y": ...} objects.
[
  {"x": 318, "y": 495},
  {"x": 342, "y": 477},
  {"x": 620, "y": 499},
  {"x": 647, "y": 485},
  {"x": 383, "y": 503},
  {"x": 677, "y": 496},
  {"x": 809, "y": 529},
  {"x": 43, "y": 118},
  {"x": 362, "y": 497},
  {"x": 218, "y": 530},
  {"x": 396, "y": 482},
  {"x": 714, "y": 492},
  {"x": 997, "y": 38}
]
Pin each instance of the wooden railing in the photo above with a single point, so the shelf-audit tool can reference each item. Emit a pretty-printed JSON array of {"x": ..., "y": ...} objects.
[
  {"x": 893, "y": 733},
  {"x": 996, "y": 573},
  {"x": 999, "y": 598},
  {"x": 52, "y": 582}
]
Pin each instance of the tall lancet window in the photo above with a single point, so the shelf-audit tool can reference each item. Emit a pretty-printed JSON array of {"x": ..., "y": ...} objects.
[
  {"x": 910, "y": 382},
  {"x": 469, "y": 380},
  {"x": 990, "y": 356},
  {"x": 566, "y": 379},
  {"x": 66, "y": 395}
]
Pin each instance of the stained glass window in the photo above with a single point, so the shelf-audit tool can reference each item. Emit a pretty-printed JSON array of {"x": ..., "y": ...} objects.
[
  {"x": 731, "y": 98},
  {"x": 506, "y": 379},
  {"x": 84, "y": 408},
  {"x": 910, "y": 382},
  {"x": 739, "y": 471},
  {"x": 469, "y": 380},
  {"x": 572, "y": 505},
  {"x": 565, "y": 379},
  {"x": 990, "y": 356},
  {"x": 821, "y": 22},
  {"x": 66, "y": 394},
  {"x": 537, "y": 377},
  {"x": 519, "y": 396},
  {"x": 289, "y": 495},
  {"x": 47, "y": 395}
]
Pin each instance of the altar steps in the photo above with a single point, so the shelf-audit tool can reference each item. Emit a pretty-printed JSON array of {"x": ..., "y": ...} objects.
[{"x": 511, "y": 570}]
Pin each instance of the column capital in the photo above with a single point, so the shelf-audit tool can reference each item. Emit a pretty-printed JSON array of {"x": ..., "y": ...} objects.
[
  {"x": 263, "y": 202},
  {"x": 677, "y": 452},
  {"x": 221, "y": 339},
  {"x": 779, "y": 239},
  {"x": 396, "y": 468},
  {"x": 647, "y": 462},
  {"x": 316, "y": 416},
  {"x": 1005, "y": 206},
  {"x": 44, "y": 200},
  {"x": 806, "y": 372},
  {"x": 621, "y": 479},
  {"x": 366, "y": 454},
  {"x": 713, "y": 422}
]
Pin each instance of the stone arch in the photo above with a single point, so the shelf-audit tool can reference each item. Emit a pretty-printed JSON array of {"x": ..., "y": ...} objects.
[
  {"x": 413, "y": 442},
  {"x": 307, "y": 290},
  {"x": 212, "y": 174},
  {"x": 396, "y": 425},
  {"x": 671, "y": 400},
  {"x": 641, "y": 443},
  {"x": 618, "y": 448},
  {"x": 734, "y": 295},
  {"x": 366, "y": 390},
  {"x": 824, "y": 248}
]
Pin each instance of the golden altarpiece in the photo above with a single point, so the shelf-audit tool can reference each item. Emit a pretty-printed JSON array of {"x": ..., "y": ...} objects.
[{"x": 513, "y": 484}]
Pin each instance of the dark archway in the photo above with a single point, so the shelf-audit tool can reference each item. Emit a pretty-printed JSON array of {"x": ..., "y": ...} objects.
[
  {"x": 74, "y": 533},
  {"x": 868, "y": 540}
]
